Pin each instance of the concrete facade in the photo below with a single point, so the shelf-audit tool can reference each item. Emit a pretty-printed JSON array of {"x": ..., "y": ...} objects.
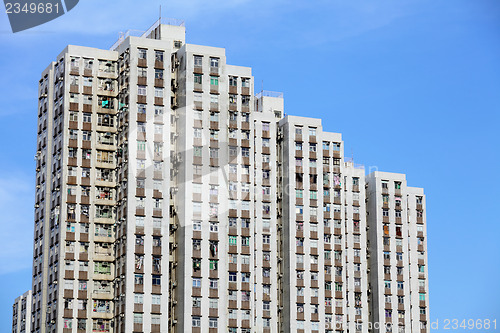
[
  {"x": 398, "y": 265},
  {"x": 21, "y": 312},
  {"x": 172, "y": 198}
]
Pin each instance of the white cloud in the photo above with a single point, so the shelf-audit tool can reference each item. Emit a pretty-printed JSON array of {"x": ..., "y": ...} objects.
[
  {"x": 16, "y": 220},
  {"x": 349, "y": 19},
  {"x": 93, "y": 17}
]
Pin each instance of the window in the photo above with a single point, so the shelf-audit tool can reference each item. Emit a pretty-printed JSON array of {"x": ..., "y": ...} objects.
[
  {"x": 142, "y": 53},
  {"x": 198, "y": 78},
  {"x": 266, "y": 239},
  {"x": 142, "y": 72},
  {"x": 214, "y": 62},
  {"x": 212, "y": 322},
  {"x": 141, "y": 90},
  {"x": 214, "y": 116},
  {"x": 73, "y": 116},
  {"x": 233, "y": 81},
  {"x": 214, "y": 98},
  {"x": 159, "y": 92},
  {"x": 196, "y": 283},
  {"x": 159, "y": 55},
  {"x": 213, "y": 303},
  {"x": 155, "y": 318},
  {"x": 196, "y": 321},
  {"x": 214, "y": 80},
  {"x": 198, "y": 61},
  {"x": 312, "y": 131},
  {"x": 139, "y": 298},
  {"x": 196, "y": 302},
  {"x": 213, "y": 264},
  {"x": 198, "y": 115},
  {"x": 214, "y": 227},
  {"x": 156, "y": 280},
  {"x": 197, "y": 225}
]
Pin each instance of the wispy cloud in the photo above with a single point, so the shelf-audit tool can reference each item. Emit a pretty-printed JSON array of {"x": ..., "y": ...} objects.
[
  {"x": 93, "y": 17},
  {"x": 341, "y": 20},
  {"x": 16, "y": 220}
]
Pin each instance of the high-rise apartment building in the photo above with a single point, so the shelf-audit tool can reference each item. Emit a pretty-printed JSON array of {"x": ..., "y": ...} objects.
[
  {"x": 21, "y": 313},
  {"x": 398, "y": 245},
  {"x": 172, "y": 198}
]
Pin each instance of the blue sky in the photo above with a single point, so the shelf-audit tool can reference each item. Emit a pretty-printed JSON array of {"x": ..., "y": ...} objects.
[{"x": 414, "y": 86}]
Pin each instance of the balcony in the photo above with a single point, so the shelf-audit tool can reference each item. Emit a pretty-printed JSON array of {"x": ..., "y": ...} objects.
[
  {"x": 214, "y": 71},
  {"x": 159, "y": 64},
  {"x": 159, "y": 83}
]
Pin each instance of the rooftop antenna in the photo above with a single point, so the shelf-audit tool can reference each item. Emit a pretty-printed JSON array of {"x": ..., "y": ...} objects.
[
  {"x": 262, "y": 86},
  {"x": 159, "y": 17}
]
